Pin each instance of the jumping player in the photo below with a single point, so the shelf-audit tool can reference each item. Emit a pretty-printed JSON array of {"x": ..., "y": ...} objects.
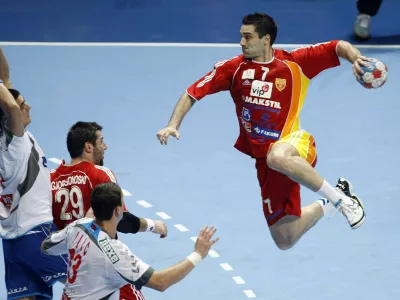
[{"x": 268, "y": 87}]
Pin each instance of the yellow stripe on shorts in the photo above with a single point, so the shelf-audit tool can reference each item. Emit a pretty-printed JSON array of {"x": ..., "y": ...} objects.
[{"x": 303, "y": 142}]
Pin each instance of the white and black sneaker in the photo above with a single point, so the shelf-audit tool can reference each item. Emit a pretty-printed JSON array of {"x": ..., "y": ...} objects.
[{"x": 350, "y": 206}]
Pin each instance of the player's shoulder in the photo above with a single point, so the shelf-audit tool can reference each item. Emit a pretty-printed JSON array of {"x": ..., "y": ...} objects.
[
  {"x": 82, "y": 222},
  {"x": 61, "y": 169},
  {"x": 115, "y": 249},
  {"x": 282, "y": 54},
  {"x": 233, "y": 62},
  {"x": 237, "y": 60},
  {"x": 104, "y": 172},
  {"x": 323, "y": 46},
  {"x": 30, "y": 135}
]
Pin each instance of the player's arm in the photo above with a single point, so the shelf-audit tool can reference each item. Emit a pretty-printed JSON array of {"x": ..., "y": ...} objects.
[
  {"x": 4, "y": 70},
  {"x": 133, "y": 224},
  {"x": 217, "y": 80},
  {"x": 183, "y": 106},
  {"x": 347, "y": 51},
  {"x": 353, "y": 55},
  {"x": 163, "y": 279},
  {"x": 319, "y": 57},
  {"x": 56, "y": 243},
  {"x": 11, "y": 109},
  {"x": 140, "y": 274},
  {"x": 129, "y": 223}
]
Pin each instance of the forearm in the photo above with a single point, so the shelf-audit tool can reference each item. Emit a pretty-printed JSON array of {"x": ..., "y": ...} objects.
[
  {"x": 162, "y": 280},
  {"x": 130, "y": 223},
  {"x": 183, "y": 106},
  {"x": 133, "y": 224},
  {"x": 4, "y": 70},
  {"x": 347, "y": 51},
  {"x": 143, "y": 225}
]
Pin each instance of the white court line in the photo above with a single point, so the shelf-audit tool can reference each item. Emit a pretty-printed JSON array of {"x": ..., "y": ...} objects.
[
  {"x": 181, "y": 228},
  {"x": 56, "y": 161},
  {"x": 126, "y": 193},
  {"x": 163, "y": 215},
  {"x": 238, "y": 280},
  {"x": 213, "y": 253},
  {"x": 249, "y": 293},
  {"x": 199, "y": 45},
  {"x": 144, "y": 203},
  {"x": 226, "y": 267}
]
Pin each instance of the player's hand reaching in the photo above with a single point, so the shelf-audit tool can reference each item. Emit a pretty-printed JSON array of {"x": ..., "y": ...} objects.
[
  {"x": 160, "y": 228},
  {"x": 164, "y": 133},
  {"x": 360, "y": 61},
  {"x": 204, "y": 241}
]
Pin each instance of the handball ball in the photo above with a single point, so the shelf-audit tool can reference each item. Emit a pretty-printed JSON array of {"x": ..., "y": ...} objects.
[{"x": 375, "y": 74}]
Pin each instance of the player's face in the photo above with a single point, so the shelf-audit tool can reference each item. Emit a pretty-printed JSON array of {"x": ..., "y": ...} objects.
[
  {"x": 25, "y": 108},
  {"x": 98, "y": 150},
  {"x": 252, "y": 45}
]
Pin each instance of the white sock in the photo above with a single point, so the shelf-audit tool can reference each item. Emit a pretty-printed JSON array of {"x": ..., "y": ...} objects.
[
  {"x": 325, "y": 205},
  {"x": 330, "y": 193}
]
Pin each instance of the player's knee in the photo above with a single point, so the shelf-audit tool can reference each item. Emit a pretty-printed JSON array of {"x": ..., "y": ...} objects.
[
  {"x": 277, "y": 161},
  {"x": 285, "y": 244},
  {"x": 283, "y": 237}
]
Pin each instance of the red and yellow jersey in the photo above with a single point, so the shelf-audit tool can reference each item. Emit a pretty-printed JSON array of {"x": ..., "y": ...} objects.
[{"x": 268, "y": 96}]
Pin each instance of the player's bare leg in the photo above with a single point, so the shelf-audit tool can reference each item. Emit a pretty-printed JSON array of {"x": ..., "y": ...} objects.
[
  {"x": 289, "y": 229},
  {"x": 285, "y": 159}
]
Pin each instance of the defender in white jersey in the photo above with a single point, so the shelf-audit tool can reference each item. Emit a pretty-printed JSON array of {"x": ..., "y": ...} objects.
[
  {"x": 99, "y": 265},
  {"x": 25, "y": 201}
]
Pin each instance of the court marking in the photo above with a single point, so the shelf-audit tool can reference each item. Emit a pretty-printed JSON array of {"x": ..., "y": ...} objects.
[
  {"x": 212, "y": 253},
  {"x": 192, "y": 45}
]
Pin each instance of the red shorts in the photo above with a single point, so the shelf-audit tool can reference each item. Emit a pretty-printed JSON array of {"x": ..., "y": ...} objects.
[
  {"x": 129, "y": 292},
  {"x": 280, "y": 194}
]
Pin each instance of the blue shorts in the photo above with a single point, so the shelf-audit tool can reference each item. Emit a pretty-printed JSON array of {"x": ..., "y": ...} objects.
[{"x": 29, "y": 272}]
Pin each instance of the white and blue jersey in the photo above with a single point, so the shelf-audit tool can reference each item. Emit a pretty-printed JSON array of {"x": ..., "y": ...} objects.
[
  {"x": 25, "y": 190},
  {"x": 98, "y": 264},
  {"x": 26, "y": 218}
]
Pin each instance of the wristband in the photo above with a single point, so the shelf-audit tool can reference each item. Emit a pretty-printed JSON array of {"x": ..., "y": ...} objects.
[
  {"x": 150, "y": 225},
  {"x": 194, "y": 257}
]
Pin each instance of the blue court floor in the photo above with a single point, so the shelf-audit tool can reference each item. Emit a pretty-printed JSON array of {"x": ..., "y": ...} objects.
[{"x": 202, "y": 179}]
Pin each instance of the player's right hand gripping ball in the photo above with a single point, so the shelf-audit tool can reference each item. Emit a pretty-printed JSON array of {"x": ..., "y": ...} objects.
[{"x": 375, "y": 75}]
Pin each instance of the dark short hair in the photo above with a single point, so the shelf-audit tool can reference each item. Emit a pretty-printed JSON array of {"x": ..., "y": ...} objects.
[
  {"x": 79, "y": 134},
  {"x": 264, "y": 24},
  {"x": 15, "y": 93},
  {"x": 104, "y": 199}
]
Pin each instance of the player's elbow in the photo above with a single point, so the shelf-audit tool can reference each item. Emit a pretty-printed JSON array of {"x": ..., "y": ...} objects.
[
  {"x": 158, "y": 282},
  {"x": 161, "y": 287}
]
